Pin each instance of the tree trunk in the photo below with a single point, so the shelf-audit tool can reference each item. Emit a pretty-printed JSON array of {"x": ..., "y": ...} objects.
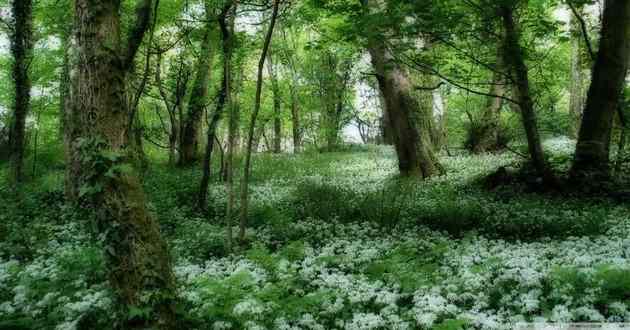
[
  {"x": 576, "y": 89},
  {"x": 296, "y": 129},
  {"x": 487, "y": 138},
  {"x": 252, "y": 124},
  {"x": 227, "y": 51},
  {"x": 277, "y": 119},
  {"x": 385, "y": 124},
  {"x": 137, "y": 257},
  {"x": 408, "y": 120},
  {"x": 226, "y": 22},
  {"x": 21, "y": 38},
  {"x": 514, "y": 59},
  {"x": 189, "y": 143},
  {"x": 295, "y": 119},
  {"x": 593, "y": 147}
]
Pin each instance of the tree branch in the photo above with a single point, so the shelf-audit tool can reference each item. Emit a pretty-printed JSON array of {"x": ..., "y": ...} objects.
[{"x": 136, "y": 34}]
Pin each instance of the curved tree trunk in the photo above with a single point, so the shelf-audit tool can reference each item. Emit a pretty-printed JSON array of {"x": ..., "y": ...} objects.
[
  {"x": 21, "y": 38},
  {"x": 592, "y": 153},
  {"x": 189, "y": 141},
  {"x": 137, "y": 258}
]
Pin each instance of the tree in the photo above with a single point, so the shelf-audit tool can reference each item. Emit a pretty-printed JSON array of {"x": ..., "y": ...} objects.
[
  {"x": 226, "y": 24},
  {"x": 252, "y": 124},
  {"x": 592, "y": 153},
  {"x": 21, "y": 38},
  {"x": 409, "y": 122},
  {"x": 514, "y": 59},
  {"x": 101, "y": 173},
  {"x": 277, "y": 104},
  {"x": 487, "y": 138},
  {"x": 576, "y": 88},
  {"x": 289, "y": 59},
  {"x": 199, "y": 95}
]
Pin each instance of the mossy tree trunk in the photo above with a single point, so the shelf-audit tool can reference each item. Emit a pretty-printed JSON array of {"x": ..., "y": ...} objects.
[
  {"x": 409, "y": 122},
  {"x": 189, "y": 141},
  {"x": 21, "y": 38},
  {"x": 103, "y": 179},
  {"x": 487, "y": 138},
  {"x": 592, "y": 153}
]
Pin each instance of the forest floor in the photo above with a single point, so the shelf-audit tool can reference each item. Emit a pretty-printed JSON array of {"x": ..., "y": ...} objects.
[{"x": 336, "y": 241}]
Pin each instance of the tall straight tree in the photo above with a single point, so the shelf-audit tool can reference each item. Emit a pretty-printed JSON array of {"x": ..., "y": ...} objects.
[
  {"x": 515, "y": 60},
  {"x": 226, "y": 24},
  {"x": 252, "y": 123},
  {"x": 277, "y": 105},
  {"x": 407, "y": 119},
  {"x": 138, "y": 263},
  {"x": 189, "y": 141},
  {"x": 290, "y": 60},
  {"x": 21, "y": 38},
  {"x": 592, "y": 153}
]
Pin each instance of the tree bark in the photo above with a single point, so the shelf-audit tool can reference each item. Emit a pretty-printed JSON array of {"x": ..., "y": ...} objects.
[
  {"x": 295, "y": 119},
  {"x": 189, "y": 142},
  {"x": 296, "y": 129},
  {"x": 514, "y": 59},
  {"x": 231, "y": 198},
  {"x": 21, "y": 38},
  {"x": 252, "y": 124},
  {"x": 103, "y": 179},
  {"x": 277, "y": 107},
  {"x": 576, "y": 88},
  {"x": 407, "y": 119},
  {"x": 226, "y": 24},
  {"x": 592, "y": 153},
  {"x": 488, "y": 134}
]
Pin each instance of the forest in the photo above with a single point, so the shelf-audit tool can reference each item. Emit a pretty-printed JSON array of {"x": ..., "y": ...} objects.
[{"x": 314, "y": 164}]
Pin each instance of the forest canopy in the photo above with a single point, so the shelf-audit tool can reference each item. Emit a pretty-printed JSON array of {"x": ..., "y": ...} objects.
[{"x": 313, "y": 164}]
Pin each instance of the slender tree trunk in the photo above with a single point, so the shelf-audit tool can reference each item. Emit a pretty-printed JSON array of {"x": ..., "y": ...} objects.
[
  {"x": 252, "y": 123},
  {"x": 593, "y": 147},
  {"x": 296, "y": 129},
  {"x": 295, "y": 119},
  {"x": 189, "y": 142},
  {"x": 226, "y": 22},
  {"x": 576, "y": 89},
  {"x": 488, "y": 134},
  {"x": 229, "y": 214},
  {"x": 408, "y": 120},
  {"x": 21, "y": 38},
  {"x": 277, "y": 120},
  {"x": 137, "y": 257},
  {"x": 514, "y": 59}
]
